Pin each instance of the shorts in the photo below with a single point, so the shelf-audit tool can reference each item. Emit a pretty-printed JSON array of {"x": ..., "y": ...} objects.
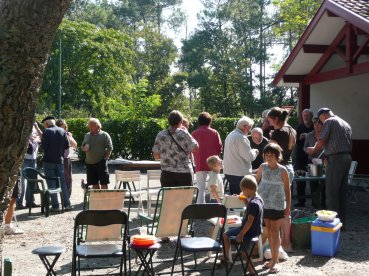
[
  {"x": 173, "y": 179},
  {"x": 273, "y": 214},
  {"x": 247, "y": 244},
  {"x": 98, "y": 173}
]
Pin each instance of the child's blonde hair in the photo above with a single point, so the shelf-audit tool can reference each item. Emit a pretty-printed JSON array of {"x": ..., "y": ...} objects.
[
  {"x": 212, "y": 160},
  {"x": 249, "y": 182}
]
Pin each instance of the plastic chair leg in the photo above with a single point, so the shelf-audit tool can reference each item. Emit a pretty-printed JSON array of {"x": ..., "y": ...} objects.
[{"x": 47, "y": 203}]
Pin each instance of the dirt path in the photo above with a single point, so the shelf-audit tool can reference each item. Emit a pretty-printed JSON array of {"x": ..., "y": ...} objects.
[{"x": 352, "y": 258}]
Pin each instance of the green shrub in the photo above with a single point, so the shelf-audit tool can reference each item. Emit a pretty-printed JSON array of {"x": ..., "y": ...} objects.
[{"x": 133, "y": 139}]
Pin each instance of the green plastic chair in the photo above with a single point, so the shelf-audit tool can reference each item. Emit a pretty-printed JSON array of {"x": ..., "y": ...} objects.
[{"x": 37, "y": 186}]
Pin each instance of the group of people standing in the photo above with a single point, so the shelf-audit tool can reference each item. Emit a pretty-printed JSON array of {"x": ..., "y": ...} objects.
[
  {"x": 268, "y": 158},
  {"x": 57, "y": 144}
]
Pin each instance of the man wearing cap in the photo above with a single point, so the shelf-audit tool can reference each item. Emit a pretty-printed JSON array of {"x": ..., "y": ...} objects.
[
  {"x": 54, "y": 142},
  {"x": 335, "y": 138}
]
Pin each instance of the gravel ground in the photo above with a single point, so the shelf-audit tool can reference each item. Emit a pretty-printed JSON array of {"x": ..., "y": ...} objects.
[{"x": 351, "y": 259}]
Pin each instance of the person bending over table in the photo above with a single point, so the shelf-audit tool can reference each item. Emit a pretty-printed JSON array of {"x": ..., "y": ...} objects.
[{"x": 336, "y": 139}]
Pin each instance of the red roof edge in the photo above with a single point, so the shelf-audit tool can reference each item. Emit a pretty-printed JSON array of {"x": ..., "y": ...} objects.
[{"x": 300, "y": 43}]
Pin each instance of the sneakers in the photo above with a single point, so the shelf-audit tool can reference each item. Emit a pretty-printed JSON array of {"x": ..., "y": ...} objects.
[
  {"x": 54, "y": 210},
  {"x": 10, "y": 229},
  {"x": 69, "y": 208},
  {"x": 20, "y": 207}
]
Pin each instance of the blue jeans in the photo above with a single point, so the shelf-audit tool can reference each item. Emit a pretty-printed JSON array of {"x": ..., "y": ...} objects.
[
  {"x": 56, "y": 170},
  {"x": 26, "y": 189}
]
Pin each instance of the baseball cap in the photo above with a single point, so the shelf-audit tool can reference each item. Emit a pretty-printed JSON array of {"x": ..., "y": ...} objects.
[
  {"x": 48, "y": 118},
  {"x": 322, "y": 111}
]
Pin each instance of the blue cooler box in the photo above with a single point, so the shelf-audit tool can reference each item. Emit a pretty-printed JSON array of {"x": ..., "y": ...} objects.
[{"x": 325, "y": 237}]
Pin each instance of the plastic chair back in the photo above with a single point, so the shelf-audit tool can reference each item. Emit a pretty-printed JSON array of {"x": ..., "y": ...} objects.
[
  {"x": 126, "y": 176},
  {"x": 105, "y": 200},
  {"x": 172, "y": 202}
]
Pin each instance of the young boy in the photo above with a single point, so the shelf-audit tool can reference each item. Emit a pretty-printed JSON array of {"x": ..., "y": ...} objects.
[
  {"x": 215, "y": 182},
  {"x": 252, "y": 221}
]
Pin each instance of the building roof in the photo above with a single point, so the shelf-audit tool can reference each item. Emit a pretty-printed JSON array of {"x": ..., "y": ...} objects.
[
  {"x": 358, "y": 7},
  {"x": 322, "y": 32}
]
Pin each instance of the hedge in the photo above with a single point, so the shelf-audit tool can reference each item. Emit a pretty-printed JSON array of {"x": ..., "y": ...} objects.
[{"x": 133, "y": 139}]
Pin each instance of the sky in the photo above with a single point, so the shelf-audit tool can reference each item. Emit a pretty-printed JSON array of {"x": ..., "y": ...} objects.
[{"x": 191, "y": 8}]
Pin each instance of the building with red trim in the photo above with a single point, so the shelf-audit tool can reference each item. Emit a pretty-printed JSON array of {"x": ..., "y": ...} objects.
[{"x": 330, "y": 66}]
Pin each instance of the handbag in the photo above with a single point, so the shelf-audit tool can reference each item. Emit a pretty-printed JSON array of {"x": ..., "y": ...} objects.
[{"x": 179, "y": 146}]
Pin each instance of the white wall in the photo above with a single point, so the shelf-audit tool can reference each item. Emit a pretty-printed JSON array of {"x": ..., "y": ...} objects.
[{"x": 348, "y": 98}]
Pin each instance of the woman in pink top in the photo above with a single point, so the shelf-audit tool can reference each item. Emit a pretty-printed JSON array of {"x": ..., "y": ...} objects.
[{"x": 209, "y": 144}]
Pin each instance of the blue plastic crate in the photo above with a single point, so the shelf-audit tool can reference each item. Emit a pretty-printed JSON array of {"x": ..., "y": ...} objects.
[{"x": 325, "y": 237}]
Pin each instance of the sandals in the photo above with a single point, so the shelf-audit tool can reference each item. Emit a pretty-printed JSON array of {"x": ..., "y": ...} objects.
[
  {"x": 267, "y": 265},
  {"x": 274, "y": 270}
]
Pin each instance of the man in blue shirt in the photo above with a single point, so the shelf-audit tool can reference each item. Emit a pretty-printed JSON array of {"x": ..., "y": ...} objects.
[{"x": 54, "y": 143}]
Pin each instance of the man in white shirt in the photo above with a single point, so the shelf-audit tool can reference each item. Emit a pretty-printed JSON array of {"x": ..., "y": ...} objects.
[
  {"x": 238, "y": 154},
  {"x": 30, "y": 160}
]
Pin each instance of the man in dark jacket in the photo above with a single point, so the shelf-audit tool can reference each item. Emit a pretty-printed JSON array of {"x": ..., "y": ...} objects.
[{"x": 54, "y": 143}]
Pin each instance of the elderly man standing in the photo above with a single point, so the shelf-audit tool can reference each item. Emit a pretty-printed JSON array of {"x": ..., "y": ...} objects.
[
  {"x": 98, "y": 146},
  {"x": 257, "y": 141},
  {"x": 335, "y": 138},
  {"x": 54, "y": 143},
  {"x": 238, "y": 154},
  {"x": 209, "y": 144}
]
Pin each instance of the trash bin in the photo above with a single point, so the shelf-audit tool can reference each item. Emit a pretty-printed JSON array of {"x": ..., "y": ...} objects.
[
  {"x": 325, "y": 236},
  {"x": 301, "y": 236}
]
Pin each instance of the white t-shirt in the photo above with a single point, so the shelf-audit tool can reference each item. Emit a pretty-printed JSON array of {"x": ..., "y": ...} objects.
[
  {"x": 34, "y": 135},
  {"x": 216, "y": 179}
]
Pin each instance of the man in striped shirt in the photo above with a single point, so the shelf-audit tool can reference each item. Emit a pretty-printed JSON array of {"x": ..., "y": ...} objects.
[{"x": 335, "y": 138}]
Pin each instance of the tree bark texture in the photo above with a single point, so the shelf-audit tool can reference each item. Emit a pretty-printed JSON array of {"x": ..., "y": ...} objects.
[{"x": 27, "y": 28}]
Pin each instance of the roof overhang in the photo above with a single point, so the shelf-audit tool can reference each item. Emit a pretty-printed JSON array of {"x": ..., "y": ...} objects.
[{"x": 326, "y": 32}]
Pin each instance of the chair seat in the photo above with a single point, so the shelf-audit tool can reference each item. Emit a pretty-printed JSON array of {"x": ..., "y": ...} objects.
[
  {"x": 97, "y": 250},
  {"x": 49, "y": 250},
  {"x": 199, "y": 244}
]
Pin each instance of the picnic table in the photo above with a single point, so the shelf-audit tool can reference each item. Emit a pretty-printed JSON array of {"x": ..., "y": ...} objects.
[{"x": 126, "y": 164}]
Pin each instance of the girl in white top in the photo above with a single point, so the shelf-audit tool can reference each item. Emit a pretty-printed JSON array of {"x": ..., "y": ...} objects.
[{"x": 274, "y": 189}]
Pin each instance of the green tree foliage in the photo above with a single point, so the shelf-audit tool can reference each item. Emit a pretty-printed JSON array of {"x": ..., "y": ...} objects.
[
  {"x": 295, "y": 16},
  {"x": 121, "y": 64},
  {"x": 232, "y": 37},
  {"x": 97, "y": 65}
]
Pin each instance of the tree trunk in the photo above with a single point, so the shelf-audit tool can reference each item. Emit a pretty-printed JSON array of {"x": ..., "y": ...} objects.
[{"x": 27, "y": 28}]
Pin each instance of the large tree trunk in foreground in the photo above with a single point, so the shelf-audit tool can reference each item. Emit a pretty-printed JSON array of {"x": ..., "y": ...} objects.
[{"x": 27, "y": 28}]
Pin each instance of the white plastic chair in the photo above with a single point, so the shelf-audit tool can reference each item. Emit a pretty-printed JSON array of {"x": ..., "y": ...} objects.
[
  {"x": 150, "y": 191},
  {"x": 123, "y": 178}
]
